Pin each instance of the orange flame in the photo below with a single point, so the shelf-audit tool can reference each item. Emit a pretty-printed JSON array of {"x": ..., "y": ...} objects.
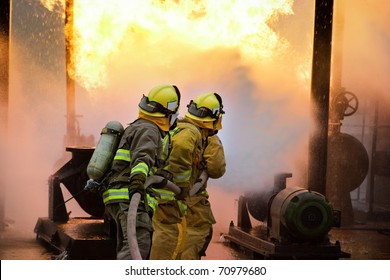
[{"x": 100, "y": 27}]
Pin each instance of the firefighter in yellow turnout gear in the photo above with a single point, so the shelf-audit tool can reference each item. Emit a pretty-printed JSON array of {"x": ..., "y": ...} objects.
[
  {"x": 174, "y": 219},
  {"x": 199, "y": 213},
  {"x": 139, "y": 156}
]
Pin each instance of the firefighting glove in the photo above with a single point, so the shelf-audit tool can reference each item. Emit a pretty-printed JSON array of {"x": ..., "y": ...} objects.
[
  {"x": 94, "y": 187},
  {"x": 164, "y": 173},
  {"x": 161, "y": 184},
  {"x": 183, "y": 194},
  {"x": 203, "y": 165},
  {"x": 137, "y": 185}
]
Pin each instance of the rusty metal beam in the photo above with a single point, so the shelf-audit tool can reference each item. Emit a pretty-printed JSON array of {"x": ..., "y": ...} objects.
[
  {"x": 5, "y": 26},
  {"x": 320, "y": 87},
  {"x": 71, "y": 132},
  {"x": 373, "y": 170},
  {"x": 5, "y": 8}
]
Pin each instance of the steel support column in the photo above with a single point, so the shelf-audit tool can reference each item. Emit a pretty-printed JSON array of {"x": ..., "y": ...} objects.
[
  {"x": 5, "y": 16},
  {"x": 320, "y": 87},
  {"x": 71, "y": 132}
]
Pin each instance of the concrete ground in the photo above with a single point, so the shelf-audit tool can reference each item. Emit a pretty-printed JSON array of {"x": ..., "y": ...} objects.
[
  {"x": 368, "y": 238},
  {"x": 369, "y": 241}
]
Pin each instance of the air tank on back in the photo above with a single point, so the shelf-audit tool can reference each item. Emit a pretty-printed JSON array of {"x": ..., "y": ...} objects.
[{"x": 105, "y": 150}]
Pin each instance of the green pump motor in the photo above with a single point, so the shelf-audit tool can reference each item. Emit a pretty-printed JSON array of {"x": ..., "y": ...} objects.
[{"x": 299, "y": 215}]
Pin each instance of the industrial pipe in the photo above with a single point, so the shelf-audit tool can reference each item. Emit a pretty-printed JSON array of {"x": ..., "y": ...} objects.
[
  {"x": 5, "y": 24},
  {"x": 71, "y": 132},
  {"x": 320, "y": 85}
]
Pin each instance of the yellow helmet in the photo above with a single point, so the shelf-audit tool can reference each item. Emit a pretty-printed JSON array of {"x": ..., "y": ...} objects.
[
  {"x": 206, "y": 110},
  {"x": 161, "y": 101}
]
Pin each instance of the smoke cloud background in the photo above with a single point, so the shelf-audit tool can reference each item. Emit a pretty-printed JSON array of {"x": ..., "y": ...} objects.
[{"x": 266, "y": 125}]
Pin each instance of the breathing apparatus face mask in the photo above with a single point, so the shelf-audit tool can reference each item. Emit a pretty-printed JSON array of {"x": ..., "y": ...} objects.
[{"x": 173, "y": 120}]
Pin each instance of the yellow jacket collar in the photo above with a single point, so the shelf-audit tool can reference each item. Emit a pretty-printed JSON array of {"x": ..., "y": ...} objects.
[{"x": 161, "y": 122}]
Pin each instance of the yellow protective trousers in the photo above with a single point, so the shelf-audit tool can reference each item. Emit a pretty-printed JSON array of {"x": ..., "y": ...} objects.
[
  {"x": 169, "y": 231},
  {"x": 200, "y": 219}
]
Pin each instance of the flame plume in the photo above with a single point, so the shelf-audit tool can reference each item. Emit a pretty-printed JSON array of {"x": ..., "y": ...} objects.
[{"x": 100, "y": 27}]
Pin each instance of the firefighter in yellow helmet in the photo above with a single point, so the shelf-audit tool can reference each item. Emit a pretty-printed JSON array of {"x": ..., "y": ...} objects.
[
  {"x": 215, "y": 164},
  {"x": 175, "y": 230},
  {"x": 137, "y": 157}
]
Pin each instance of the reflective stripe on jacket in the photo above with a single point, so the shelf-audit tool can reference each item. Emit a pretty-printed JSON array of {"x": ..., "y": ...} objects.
[
  {"x": 170, "y": 195},
  {"x": 122, "y": 194},
  {"x": 186, "y": 154},
  {"x": 138, "y": 153}
]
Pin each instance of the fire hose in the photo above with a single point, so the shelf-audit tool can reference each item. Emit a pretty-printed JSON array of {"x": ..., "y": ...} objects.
[
  {"x": 131, "y": 227},
  {"x": 135, "y": 200},
  {"x": 200, "y": 183}
]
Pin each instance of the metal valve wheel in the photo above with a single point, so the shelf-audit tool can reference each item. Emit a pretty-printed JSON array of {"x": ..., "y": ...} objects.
[{"x": 346, "y": 103}]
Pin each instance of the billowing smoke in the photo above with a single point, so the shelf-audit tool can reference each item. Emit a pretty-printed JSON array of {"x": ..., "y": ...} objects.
[
  {"x": 365, "y": 42},
  {"x": 266, "y": 125},
  {"x": 265, "y": 94},
  {"x": 36, "y": 113}
]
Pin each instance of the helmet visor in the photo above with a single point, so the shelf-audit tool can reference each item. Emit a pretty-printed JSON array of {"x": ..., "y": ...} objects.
[
  {"x": 154, "y": 107},
  {"x": 203, "y": 112}
]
